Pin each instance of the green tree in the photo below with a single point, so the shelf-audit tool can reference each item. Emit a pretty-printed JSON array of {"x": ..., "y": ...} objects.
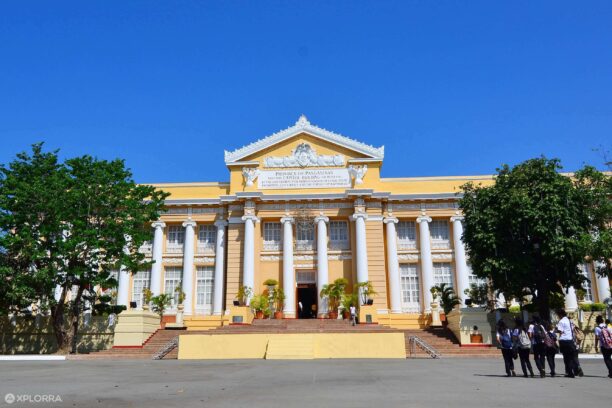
[
  {"x": 69, "y": 224},
  {"x": 530, "y": 230}
]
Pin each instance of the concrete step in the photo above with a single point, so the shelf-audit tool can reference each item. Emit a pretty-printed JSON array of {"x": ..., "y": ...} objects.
[{"x": 291, "y": 347}]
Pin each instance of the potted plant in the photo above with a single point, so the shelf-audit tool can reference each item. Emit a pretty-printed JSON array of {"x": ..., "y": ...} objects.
[
  {"x": 180, "y": 307},
  {"x": 448, "y": 298},
  {"x": 333, "y": 292},
  {"x": 366, "y": 291},
  {"x": 348, "y": 300},
  {"x": 476, "y": 336},
  {"x": 147, "y": 296},
  {"x": 259, "y": 304},
  {"x": 278, "y": 297},
  {"x": 160, "y": 304},
  {"x": 244, "y": 294}
]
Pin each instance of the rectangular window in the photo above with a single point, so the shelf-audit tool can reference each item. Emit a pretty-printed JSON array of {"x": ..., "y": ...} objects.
[
  {"x": 473, "y": 279},
  {"x": 304, "y": 237},
  {"x": 443, "y": 273},
  {"x": 272, "y": 236},
  {"x": 141, "y": 281},
  {"x": 175, "y": 239},
  {"x": 204, "y": 288},
  {"x": 439, "y": 234},
  {"x": 410, "y": 287},
  {"x": 207, "y": 238},
  {"x": 406, "y": 235},
  {"x": 587, "y": 285},
  {"x": 172, "y": 279},
  {"x": 338, "y": 235}
]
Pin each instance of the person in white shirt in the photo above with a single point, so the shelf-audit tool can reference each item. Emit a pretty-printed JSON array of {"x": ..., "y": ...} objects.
[
  {"x": 600, "y": 342},
  {"x": 353, "y": 310},
  {"x": 568, "y": 346}
]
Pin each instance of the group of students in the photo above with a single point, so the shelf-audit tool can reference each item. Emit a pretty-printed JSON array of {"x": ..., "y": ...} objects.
[{"x": 545, "y": 340}]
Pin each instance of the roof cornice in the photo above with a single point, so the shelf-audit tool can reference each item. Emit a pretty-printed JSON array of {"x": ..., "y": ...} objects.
[{"x": 304, "y": 126}]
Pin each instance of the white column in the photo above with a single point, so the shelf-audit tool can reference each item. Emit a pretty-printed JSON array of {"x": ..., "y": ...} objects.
[
  {"x": 123, "y": 278},
  {"x": 288, "y": 270},
  {"x": 248, "y": 262},
  {"x": 322, "y": 262},
  {"x": 188, "y": 266},
  {"x": 393, "y": 265},
  {"x": 571, "y": 302},
  {"x": 603, "y": 284},
  {"x": 463, "y": 281},
  {"x": 219, "y": 268},
  {"x": 361, "y": 247},
  {"x": 426, "y": 261},
  {"x": 158, "y": 245}
]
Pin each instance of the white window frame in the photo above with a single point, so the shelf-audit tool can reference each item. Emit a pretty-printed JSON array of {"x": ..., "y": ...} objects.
[
  {"x": 272, "y": 236},
  {"x": 439, "y": 230},
  {"x": 339, "y": 235},
  {"x": 173, "y": 276},
  {"x": 406, "y": 235},
  {"x": 410, "y": 288},
  {"x": 443, "y": 273},
  {"x": 207, "y": 238},
  {"x": 141, "y": 280},
  {"x": 304, "y": 238},
  {"x": 175, "y": 239},
  {"x": 205, "y": 286}
]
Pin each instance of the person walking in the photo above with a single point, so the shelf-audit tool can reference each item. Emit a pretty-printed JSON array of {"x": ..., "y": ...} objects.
[
  {"x": 567, "y": 345},
  {"x": 504, "y": 338},
  {"x": 537, "y": 334},
  {"x": 353, "y": 310},
  {"x": 523, "y": 344},
  {"x": 551, "y": 347},
  {"x": 603, "y": 340}
]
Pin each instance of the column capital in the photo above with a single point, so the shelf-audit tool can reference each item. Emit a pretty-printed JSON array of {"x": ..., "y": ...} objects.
[
  {"x": 356, "y": 216},
  {"x": 290, "y": 220},
  {"x": 250, "y": 218},
  {"x": 189, "y": 223},
  {"x": 457, "y": 218},
  {"x": 423, "y": 218},
  {"x": 158, "y": 224},
  {"x": 221, "y": 223},
  {"x": 323, "y": 218},
  {"x": 388, "y": 220}
]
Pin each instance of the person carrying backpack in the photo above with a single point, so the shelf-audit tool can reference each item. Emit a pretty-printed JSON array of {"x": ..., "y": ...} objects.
[
  {"x": 523, "y": 343},
  {"x": 537, "y": 334},
  {"x": 551, "y": 346},
  {"x": 568, "y": 346},
  {"x": 504, "y": 338},
  {"x": 603, "y": 338}
]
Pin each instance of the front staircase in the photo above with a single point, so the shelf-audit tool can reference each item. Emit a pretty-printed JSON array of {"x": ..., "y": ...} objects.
[{"x": 441, "y": 340}]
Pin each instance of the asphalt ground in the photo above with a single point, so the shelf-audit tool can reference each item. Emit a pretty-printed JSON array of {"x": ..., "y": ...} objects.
[{"x": 313, "y": 383}]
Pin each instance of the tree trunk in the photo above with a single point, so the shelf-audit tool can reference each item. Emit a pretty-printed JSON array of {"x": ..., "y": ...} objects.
[
  {"x": 76, "y": 312},
  {"x": 543, "y": 298},
  {"x": 59, "y": 326}
]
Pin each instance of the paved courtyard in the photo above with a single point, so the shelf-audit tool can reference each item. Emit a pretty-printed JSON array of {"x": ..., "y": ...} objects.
[{"x": 318, "y": 383}]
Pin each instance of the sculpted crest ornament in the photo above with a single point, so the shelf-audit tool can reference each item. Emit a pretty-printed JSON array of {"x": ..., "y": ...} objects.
[{"x": 304, "y": 156}]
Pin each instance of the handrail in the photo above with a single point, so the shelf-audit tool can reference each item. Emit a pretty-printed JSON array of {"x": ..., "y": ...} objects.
[
  {"x": 168, "y": 347},
  {"x": 415, "y": 341}
]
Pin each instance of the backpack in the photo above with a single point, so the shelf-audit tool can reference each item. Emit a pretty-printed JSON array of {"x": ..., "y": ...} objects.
[
  {"x": 578, "y": 333},
  {"x": 524, "y": 340},
  {"x": 506, "y": 339},
  {"x": 549, "y": 341},
  {"x": 539, "y": 334},
  {"x": 605, "y": 338}
]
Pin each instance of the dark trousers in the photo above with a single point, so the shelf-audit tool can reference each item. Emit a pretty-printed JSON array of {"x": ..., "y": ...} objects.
[
  {"x": 551, "y": 352},
  {"x": 539, "y": 355},
  {"x": 525, "y": 363},
  {"x": 570, "y": 357},
  {"x": 607, "y": 355},
  {"x": 508, "y": 360}
]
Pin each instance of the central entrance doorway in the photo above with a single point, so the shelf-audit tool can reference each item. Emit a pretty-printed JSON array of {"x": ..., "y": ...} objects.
[{"x": 307, "y": 296}]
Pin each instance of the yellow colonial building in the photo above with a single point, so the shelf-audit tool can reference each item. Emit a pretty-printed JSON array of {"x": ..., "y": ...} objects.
[{"x": 306, "y": 206}]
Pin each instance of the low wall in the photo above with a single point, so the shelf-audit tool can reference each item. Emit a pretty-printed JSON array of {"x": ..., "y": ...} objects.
[
  {"x": 462, "y": 321},
  {"x": 35, "y": 335}
]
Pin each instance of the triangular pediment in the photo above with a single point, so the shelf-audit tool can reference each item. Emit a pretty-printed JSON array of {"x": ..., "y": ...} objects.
[{"x": 304, "y": 127}]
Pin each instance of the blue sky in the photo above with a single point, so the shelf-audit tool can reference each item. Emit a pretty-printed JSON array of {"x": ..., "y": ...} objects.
[{"x": 449, "y": 87}]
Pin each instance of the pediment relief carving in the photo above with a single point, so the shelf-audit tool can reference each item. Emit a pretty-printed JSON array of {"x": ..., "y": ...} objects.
[{"x": 304, "y": 156}]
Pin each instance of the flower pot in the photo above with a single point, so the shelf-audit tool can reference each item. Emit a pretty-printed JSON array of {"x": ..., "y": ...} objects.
[
  {"x": 332, "y": 315},
  {"x": 346, "y": 315},
  {"x": 476, "y": 338},
  {"x": 259, "y": 314},
  {"x": 278, "y": 315}
]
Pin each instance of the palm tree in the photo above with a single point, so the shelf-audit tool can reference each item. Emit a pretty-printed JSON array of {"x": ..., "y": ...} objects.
[{"x": 448, "y": 297}]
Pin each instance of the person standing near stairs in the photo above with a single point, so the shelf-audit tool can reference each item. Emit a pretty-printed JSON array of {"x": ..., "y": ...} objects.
[{"x": 353, "y": 310}]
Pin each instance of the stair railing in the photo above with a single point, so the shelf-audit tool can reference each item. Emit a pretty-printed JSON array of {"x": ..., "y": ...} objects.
[
  {"x": 168, "y": 347},
  {"x": 415, "y": 341}
]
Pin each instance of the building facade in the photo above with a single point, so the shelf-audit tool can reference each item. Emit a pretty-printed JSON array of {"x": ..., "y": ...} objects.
[{"x": 306, "y": 206}]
